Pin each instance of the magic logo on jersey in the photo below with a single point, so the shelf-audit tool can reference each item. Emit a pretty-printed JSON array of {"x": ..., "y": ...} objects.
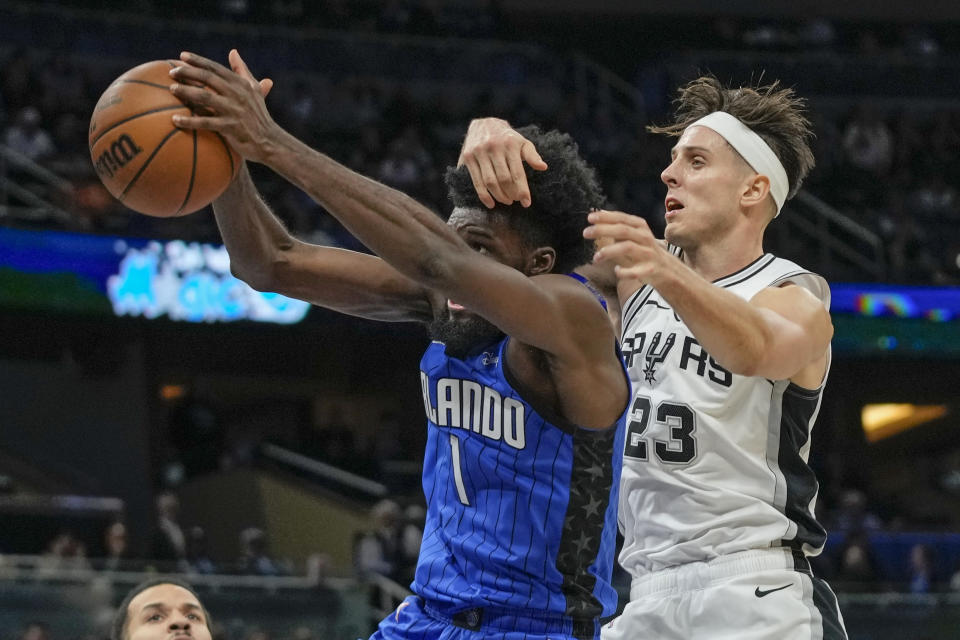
[
  {"x": 468, "y": 405},
  {"x": 654, "y": 352}
]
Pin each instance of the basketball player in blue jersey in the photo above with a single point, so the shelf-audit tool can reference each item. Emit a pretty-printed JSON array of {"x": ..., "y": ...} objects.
[
  {"x": 728, "y": 349},
  {"x": 524, "y": 388}
]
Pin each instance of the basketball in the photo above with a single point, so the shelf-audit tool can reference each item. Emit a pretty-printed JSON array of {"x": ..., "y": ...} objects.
[{"x": 146, "y": 162}]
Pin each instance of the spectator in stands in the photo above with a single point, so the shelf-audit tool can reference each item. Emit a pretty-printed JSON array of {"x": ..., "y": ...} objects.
[
  {"x": 411, "y": 537},
  {"x": 921, "y": 569},
  {"x": 935, "y": 198},
  {"x": 234, "y": 10},
  {"x": 35, "y": 631},
  {"x": 856, "y": 561},
  {"x": 378, "y": 551},
  {"x": 64, "y": 553},
  {"x": 302, "y": 633},
  {"x": 198, "y": 558},
  {"x": 414, "y": 517},
  {"x": 161, "y": 608},
  {"x": 911, "y": 257},
  {"x": 27, "y": 137},
  {"x": 253, "y": 555},
  {"x": 955, "y": 579},
  {"x": 116, "y": 545},
  {"x": 407, "y": 161},
  {"x": 169, "y": 542},
  {"x": 853, "y": 515},
  {"x": 318, "y": 567},
  {"x": 868, "y": 146},
  {"x": 301, "y": 108}
]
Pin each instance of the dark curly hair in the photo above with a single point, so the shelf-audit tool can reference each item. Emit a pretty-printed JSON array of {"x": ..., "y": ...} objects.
[
  {"x": 775, "y": 113},
  {"x": 118, "y": 630},
  {"x": 560, "y": 198}
]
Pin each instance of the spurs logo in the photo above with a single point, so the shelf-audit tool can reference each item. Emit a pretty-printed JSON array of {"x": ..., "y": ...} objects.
[
  {"x": 656, "y": 354},
  {"x": 117, "y": 155}
]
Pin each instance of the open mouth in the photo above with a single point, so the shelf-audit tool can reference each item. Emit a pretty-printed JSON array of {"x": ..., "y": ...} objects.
[
  {"x": 453, "y": 306},
  {"x": 672, "y": 204}
]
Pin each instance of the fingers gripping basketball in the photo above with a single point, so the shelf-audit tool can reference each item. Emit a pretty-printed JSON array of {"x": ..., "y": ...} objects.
[{"x": 143, "y": 159}]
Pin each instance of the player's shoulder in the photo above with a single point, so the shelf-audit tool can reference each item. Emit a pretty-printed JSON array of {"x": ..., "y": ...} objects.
[
  {"x": 572, "y": 289},
  {"x": 761, "y": 271},
  {"x": 770, "y": 270},
  {"x": 785, "y": 272}
]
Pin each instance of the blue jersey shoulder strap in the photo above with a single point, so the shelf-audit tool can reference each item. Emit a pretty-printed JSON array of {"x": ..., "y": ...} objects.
[{"x": 593, "y": 290}]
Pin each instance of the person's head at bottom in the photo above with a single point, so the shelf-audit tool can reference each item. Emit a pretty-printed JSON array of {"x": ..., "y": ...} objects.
[{"x": 161, "y": 608}]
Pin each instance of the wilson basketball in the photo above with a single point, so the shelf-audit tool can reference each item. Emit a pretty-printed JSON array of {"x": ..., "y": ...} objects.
[{"x": 143, "y": 159}]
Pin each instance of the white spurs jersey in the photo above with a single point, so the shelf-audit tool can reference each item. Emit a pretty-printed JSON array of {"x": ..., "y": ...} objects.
[{"x": 714, "y": 462}]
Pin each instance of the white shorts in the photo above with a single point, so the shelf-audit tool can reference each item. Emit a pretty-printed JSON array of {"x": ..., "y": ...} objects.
[{"x": 768, "y": 594}]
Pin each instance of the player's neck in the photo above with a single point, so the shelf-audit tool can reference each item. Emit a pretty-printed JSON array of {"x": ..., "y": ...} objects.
[{"x": 719, "y": 259}]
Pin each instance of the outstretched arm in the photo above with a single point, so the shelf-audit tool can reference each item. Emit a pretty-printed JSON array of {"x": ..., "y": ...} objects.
[
  {"x": 265, "y": 256},
  {"x": 407, "y": 235},
  {"x": 781, "y": 333}
]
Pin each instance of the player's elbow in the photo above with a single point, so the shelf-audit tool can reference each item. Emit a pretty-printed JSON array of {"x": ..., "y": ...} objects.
[
  {"x": 746, "y": 364},
  {"x": 771, "y": 354},
  {"x": 274, "y": 269},
  {"x": 257, "y": 278},
  {"x": 750, "y": 356},
  {"x": 261, "y": 275}
]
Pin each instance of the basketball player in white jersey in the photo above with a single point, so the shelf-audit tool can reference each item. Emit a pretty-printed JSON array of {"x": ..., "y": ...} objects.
[{"x": 728, "y": 349}]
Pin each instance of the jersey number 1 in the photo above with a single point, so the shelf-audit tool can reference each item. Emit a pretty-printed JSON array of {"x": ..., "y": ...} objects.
[
  {"x": 457, "y": 471},
  {"x": 678, "y": 418}
]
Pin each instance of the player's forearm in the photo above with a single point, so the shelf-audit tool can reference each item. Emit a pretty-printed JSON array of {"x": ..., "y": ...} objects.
[
  {"x": 393, "y": 225},
  {"x": 254, "y": 237},
  {"x": 736, "y": 334},
  {"x": 265, "y": 256}
]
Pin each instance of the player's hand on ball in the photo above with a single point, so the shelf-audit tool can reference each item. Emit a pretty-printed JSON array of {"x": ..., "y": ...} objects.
[
  {"x": 494, "y": 153},
  {"x": 232, "y": 102},
  {"x": 627, "y": 242}
]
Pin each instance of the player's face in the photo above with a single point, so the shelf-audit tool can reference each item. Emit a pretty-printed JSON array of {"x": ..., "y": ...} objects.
[
  {"x": 704, "y": 181},
  {"x": 166, "y": 612},
  {"x": 490, "y": 234}
]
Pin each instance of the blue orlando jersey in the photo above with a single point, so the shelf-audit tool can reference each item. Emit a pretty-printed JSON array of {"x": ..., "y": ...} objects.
[{"x": 521, "y": 510}]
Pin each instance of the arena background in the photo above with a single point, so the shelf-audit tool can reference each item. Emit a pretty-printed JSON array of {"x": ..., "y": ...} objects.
[{"x": 138, "y": 379}]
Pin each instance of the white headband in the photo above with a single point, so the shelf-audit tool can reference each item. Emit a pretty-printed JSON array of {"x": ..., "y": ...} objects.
[{"x": 754, "y": 150}]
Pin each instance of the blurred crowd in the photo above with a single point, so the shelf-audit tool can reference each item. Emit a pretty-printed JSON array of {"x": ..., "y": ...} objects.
[
  {"x": 868, "y": 553},
  {"x": 896, "y": 173},
  {"x": 173, "y": 546},
  {"x": 387, "y": 547},
  {"x": 461, "y": 18},
  {"x": 892, "y": 169}
]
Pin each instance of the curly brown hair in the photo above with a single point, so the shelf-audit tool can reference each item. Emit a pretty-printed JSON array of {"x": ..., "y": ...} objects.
[{"x": 776, "y": 114}]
